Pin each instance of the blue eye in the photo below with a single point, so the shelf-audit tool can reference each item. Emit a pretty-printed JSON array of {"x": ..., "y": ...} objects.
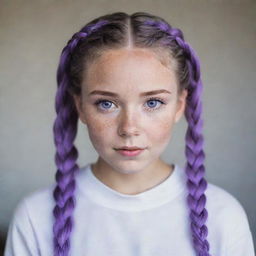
[
  {"x": 152, "y": 105},
  {"x": 155, "y": 100},
  {"x": 106, "y": 104}
]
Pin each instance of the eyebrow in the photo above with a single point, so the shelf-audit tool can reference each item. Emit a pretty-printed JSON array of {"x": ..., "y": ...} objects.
[{"x": 107, "y": 93}]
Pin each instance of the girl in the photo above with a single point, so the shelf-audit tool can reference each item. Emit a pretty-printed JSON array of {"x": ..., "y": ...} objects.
[{"x": 129, "y": 79}]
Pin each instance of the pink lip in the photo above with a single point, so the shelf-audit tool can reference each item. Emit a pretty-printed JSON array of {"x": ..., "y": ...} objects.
[{"x": 130, "y": 152}]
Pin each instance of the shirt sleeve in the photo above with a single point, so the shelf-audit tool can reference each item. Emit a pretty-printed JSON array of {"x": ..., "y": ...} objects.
[
  {"x": 21, "y": 239},
  {"x": 243, "y": 246},
  {"x": 240, "y": 240}
]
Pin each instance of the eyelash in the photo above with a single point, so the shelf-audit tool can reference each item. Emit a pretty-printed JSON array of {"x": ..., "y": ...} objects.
[{"x": 99, "y": 101}]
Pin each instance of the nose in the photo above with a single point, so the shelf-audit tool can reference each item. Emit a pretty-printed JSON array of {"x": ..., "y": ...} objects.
[{"x": 128, "y": 124}]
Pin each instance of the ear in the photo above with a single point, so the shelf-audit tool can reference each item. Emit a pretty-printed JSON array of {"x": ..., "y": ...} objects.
[
  {"x": 181, "y": 104},
  {"x": 78, "y": 103}
]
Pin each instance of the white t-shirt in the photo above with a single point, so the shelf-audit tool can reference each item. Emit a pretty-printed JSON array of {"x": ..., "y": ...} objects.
[{"x": 106, "y": 222}]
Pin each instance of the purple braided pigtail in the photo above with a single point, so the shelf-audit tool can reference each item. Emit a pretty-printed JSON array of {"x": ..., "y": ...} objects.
[
  {"x": 65, "y": 130},
  {"x": 195, "y": 155}
]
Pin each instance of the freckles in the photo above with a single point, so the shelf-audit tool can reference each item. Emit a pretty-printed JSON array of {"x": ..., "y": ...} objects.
[
  {"x": 162, "y": 131},
  {"x": 97, "y": 132},
  {"x": 99, "y": 127}
]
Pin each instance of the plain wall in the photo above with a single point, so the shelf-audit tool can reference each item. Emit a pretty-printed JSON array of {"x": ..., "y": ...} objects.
[{"x": 32, "y": 36}]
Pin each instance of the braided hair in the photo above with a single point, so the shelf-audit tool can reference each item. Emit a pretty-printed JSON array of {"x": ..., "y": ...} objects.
[{"x": 113, "y": 31}]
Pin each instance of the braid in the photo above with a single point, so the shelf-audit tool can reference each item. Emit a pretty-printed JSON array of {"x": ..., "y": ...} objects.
[
  {"x": 65, "y": 130},
  {"x": 195, "y": 155}
]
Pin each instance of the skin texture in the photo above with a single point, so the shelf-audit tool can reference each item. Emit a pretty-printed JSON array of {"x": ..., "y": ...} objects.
[{"x": 129, "y": 119}]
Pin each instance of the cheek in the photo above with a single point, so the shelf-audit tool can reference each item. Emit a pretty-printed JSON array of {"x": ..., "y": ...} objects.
[
  {"x": 161, "y": 128},
  {"x": 161, "y": 131},
  {"x": 98, "y": 129}
]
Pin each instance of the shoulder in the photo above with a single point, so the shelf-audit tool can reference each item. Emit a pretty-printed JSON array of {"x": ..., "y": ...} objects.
[
  {"x": 227, "y": 216},
  {"x": 222, "y": 203},
  {"x": 220, "y": 196},
  {"x": 41, "y": 198},
  {"x": 37, "y": 203},
  {"x": 31, "y": 223}
]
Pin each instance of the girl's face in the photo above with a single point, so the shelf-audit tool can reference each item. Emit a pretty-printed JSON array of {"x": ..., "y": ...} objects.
[{"x": 119, "y": 111}]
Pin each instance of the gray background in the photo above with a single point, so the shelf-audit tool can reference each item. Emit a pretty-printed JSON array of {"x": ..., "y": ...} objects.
[{"x": 32, "y": 35}]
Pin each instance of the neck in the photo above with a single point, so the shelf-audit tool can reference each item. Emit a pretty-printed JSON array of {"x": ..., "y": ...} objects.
[{"x": 132, "y": 183}]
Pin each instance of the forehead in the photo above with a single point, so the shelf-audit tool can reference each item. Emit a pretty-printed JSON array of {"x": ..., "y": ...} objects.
[{"x": 129, "y": 68}]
